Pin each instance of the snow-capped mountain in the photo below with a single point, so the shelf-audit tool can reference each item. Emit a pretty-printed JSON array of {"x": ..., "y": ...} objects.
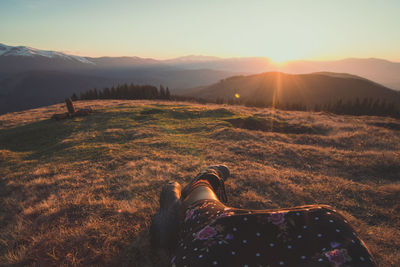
[{"x": 26, "y": 51}]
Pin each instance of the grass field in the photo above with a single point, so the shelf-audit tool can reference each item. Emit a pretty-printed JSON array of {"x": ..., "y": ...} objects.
[{"x": 81, "y": 191}]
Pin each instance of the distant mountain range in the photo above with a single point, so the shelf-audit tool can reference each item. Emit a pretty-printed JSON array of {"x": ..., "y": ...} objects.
[
  {"x": 307, "y": 89},
  {"x": 31, "y": 77},
  {"x": 381, "y": 71}
]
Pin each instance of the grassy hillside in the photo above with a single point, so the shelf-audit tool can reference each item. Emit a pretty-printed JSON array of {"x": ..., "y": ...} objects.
[
  {"x": 307, "y": 89},
  {"x": 81, "y": 191}
]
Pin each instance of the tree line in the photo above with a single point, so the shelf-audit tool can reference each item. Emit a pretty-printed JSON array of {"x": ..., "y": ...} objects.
[
  {"x": 365, "y": 106},
  {"x": 358, "y": 107},
  {"x": 125, "y": 91}
]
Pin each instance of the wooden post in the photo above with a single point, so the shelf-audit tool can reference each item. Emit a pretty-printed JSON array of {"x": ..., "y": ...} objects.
[
  {"x": 70, "y": 106},
  {"x": 72, "y": 112}
]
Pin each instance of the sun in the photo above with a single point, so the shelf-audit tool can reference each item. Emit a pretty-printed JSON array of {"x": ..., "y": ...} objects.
[{"x": 276, "y": 58}]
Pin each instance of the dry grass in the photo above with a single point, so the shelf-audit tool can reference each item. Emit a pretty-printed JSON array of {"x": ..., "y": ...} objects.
[{"x": 81, "y": 191}]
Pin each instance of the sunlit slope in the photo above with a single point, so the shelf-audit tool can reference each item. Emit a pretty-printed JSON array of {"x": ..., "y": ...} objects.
[
  {"x": 308, "y": 89},
  {"x": 81, "y": 192}
]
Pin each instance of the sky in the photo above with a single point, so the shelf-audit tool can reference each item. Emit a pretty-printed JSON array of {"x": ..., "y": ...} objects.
[{"x": 280, "y": 30}]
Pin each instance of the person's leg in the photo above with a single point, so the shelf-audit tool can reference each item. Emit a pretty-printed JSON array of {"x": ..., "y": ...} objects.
[
  {"x": 174, "y": 203},
  {"x": 211, "y": 177},
  {"x": 164, "y": 225},
  {"x": 199, "y": 193}
]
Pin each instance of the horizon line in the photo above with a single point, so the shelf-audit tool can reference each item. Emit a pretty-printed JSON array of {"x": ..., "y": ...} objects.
[{"x": 75, "y": 53}]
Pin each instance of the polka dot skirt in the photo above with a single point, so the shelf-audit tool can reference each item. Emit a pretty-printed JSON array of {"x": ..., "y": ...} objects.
[{"x": 215, "y": 235}]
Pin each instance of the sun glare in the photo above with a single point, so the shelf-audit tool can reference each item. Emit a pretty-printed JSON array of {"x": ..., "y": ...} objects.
[
  {"x": 277, "y": 90},
  {"x": 279, "y": 59}
]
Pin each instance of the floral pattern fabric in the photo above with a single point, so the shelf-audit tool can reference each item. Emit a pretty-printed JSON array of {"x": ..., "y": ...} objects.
[{"x": 215, "y": 235}]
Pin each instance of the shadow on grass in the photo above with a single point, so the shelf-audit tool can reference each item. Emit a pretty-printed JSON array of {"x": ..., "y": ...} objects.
[
  {"x": 97, "y": 221},
  {"x": 9, "y": 210},
  {"x": 387, "y": 125},
  {"x": 273, "y": 125},
  {"x": 141, "y": 253},
  {"x": 44, "y": 139},
  {"x": 182, "y": 114},
  {"x": 37, "y": 137},
  {"x": 11, "y": 195}
]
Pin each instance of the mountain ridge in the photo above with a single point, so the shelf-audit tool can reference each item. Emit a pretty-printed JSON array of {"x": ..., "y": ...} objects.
[
  {"x": 179, "y": 74},
  {"x": 29, "y": 51}
]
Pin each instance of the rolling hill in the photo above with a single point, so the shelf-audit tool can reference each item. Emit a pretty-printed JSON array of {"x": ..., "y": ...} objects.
[
  {"x": 308, "y": 89},
  {"x": 381, "y": 71},
  {"x": 378, "y": 70}
]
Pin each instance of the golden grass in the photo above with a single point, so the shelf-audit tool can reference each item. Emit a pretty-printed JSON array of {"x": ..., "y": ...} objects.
[{"x": 81, "y": 191}]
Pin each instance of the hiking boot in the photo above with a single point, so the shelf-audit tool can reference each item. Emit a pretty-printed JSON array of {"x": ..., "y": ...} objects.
[
  {"x": 215, "y": 175},
  {"x": 164, "y": 225},
  {"x": 222, "y": 171}
]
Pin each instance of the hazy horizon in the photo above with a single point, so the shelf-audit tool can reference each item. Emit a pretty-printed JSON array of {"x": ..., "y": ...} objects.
[
  {"x": 205, "y": 56},
  {"x": 154, "y": 29}
]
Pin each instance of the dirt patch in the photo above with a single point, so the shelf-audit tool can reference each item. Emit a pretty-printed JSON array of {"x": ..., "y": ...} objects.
[{"x": 273, "y": 125}]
